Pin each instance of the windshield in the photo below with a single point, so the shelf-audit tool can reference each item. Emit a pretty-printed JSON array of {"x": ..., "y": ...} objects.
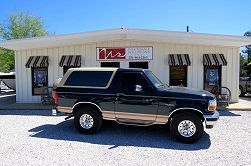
[{"x": 156, "y": 82}]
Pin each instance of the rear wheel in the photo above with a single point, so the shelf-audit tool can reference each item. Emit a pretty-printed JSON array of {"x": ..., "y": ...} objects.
[
  {"x": 186, "y": 127},
  {"x": 87, "y": 120}
]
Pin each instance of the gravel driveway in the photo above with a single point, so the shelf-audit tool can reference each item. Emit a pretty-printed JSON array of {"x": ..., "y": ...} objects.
[{"x": 36, "y": 138}]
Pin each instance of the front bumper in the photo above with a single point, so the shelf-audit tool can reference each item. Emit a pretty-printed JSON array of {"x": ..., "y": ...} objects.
[{"x": 210, "y": 120}]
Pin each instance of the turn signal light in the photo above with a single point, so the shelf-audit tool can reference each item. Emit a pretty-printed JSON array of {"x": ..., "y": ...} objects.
[
  {"x": 212, "y": 104},
  {"x": 211, "y": 108}
]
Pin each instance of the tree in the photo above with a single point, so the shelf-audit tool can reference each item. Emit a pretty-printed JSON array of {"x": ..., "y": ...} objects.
[
  {"x": 247, "y": 49},
  {"x": 18, "y": 26},
  {"x": 246, "y": 52},
  {"x": 243, "y": 64}
]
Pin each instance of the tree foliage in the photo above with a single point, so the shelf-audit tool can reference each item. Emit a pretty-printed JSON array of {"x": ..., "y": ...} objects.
[
  {"x": 245, "y": 58},
  {"x": 18, "y": 26},
  {"x": 243, "y": 64},
  {"x": 247, "y": 49}
]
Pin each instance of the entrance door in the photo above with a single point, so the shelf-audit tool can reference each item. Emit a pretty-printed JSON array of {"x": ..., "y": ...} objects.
[
  {"x": 212, "y": 77},
  {"x": 135, "y": 102}
]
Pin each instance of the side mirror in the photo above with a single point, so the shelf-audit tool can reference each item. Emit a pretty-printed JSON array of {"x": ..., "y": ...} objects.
[{"x": 138, "y": 88}]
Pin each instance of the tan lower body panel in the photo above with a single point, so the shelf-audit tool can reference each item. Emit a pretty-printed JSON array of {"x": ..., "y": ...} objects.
[
  {"x": 110, "y": 115},
  {"x": 159, "y": 119},
  {"x": 162, "y": 119},
  {"x": 64, "y": 109}
]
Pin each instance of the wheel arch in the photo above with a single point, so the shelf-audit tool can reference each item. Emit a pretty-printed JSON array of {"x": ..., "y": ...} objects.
[
  {"x": 186, "y": 110},
  {"x": 82, "y": 104}
]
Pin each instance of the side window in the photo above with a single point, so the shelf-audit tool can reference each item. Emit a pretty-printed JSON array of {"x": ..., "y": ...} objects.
[
  {"x": 135, "y": 84},
  {"x": 89, "y": 78}
]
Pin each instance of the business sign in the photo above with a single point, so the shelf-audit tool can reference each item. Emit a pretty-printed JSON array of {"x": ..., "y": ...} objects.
[{"x": 128, "y": 53}]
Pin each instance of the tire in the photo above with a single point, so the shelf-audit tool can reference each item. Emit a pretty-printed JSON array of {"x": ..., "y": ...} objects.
[
  {"x": 194, "y": 124},
  {"x": 91, "y": 120},
  {"x": 241, "y": 92}
]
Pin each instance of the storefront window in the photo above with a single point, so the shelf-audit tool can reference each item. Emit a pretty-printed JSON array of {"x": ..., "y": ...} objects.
[
  {"x": 178, "y": 76},
  {"x": 141, "y": 65},
  {"x": 66, "y": 68},
  {"x": 212, "y": 77},
  {"x": 110, "y": 64},
  {"x": 39, "y": 80}
]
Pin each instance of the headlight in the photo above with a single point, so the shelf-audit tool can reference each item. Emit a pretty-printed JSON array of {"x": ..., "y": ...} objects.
[{"x": 212, "y": 104}]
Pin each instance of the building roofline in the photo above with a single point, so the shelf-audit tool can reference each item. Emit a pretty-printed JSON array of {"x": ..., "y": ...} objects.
[{"x": 127, "y": 34}]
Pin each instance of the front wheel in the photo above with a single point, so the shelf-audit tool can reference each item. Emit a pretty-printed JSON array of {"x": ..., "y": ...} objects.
[
  {"x": 87, "y": 120},
  {"x": 186, "y": 127}
]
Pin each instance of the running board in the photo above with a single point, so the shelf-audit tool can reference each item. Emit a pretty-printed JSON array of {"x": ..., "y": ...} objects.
[{"x": 135, "y": 123}]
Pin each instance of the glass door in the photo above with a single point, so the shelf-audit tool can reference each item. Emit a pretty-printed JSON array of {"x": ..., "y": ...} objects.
[{"x": 212, "y": 77}]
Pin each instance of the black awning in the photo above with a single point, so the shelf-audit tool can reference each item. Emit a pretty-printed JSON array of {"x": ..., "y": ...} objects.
[
  {"x": 70, "y": 60},
  {"x": 214, "y": 60},
  {"x": 37, "y": 61},
  {"x": 179, "y": 60}
]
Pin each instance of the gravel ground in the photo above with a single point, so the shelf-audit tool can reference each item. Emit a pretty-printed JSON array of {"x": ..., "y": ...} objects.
[{"x": 36, "y": 138}]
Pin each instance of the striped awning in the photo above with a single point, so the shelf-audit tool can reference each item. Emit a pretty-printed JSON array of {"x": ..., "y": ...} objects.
[
  {"x": 37, "y": 61},
  {"x": 214, "y": 59},
  {"x": 179, "y": 60},
  {"x": 70, "y": 60}
]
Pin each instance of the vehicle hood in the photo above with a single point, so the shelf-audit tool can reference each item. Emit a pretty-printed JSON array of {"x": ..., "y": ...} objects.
[{"x": 184, "y": 92}]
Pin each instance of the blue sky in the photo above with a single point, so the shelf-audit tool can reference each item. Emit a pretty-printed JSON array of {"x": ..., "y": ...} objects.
[{"x": 68, "y": 16}]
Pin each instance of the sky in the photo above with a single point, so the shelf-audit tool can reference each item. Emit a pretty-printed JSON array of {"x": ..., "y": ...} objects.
[{"x": 231, "y": 17}]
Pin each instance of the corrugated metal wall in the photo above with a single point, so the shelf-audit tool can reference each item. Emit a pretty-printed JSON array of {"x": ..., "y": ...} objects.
[{"x": 159, "y": 65}]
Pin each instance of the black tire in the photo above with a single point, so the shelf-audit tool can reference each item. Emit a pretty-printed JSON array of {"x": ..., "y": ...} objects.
[
  {"x": 177, "y": 119},
  {"x": 94, "y": 114},
  {"x": 241, "y": 93}
]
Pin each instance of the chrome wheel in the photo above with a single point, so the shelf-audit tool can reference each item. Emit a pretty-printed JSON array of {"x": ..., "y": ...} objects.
[
  {"x": 186, "y": 128},
  {"x": 86, "y": 121}
]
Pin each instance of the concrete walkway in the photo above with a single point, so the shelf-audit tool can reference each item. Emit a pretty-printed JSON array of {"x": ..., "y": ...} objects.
[
  {"x": 243, "y": 104},
  {"x": 27, "y": 106},
  {"x": 8, "y": 102}
]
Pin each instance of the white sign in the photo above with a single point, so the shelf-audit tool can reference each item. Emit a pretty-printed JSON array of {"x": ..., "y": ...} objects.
[{"x": 128, "y": 53}]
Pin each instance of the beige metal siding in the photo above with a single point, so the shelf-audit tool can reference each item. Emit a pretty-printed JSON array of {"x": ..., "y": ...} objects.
[{"x": 159, "y": 64}]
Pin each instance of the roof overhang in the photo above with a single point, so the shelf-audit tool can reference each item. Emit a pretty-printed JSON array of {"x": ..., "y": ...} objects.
[{"x": 127, "y": 34}]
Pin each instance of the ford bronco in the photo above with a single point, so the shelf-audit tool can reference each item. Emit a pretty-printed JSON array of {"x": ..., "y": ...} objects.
[{"x": 133, "y": 97}]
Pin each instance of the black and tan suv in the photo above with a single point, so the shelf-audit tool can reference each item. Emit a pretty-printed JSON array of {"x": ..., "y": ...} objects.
[{"x": 134, "y": 97}]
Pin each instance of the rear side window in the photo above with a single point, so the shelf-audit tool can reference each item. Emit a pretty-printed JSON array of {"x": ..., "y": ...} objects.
[{"x": 89, "y": 78}]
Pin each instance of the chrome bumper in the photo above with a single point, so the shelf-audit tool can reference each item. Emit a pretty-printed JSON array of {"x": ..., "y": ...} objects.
[{"x": 210, "y": 120}]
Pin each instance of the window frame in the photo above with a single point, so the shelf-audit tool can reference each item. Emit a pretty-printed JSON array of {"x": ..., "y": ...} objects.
[
  {"x": 68, "y": 67},
  {"x": 32, "y": 79},
  {"x": 111, "y": 63},
  {"x": 139, "y": 62}
]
